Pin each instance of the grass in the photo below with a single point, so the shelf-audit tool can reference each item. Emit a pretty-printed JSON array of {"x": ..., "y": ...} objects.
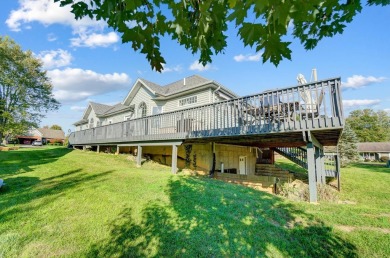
[{"x": 66, "y": 203}]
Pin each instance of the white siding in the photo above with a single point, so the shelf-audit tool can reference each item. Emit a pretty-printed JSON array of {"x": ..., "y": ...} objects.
[
  {"x": 143, "y": 95},
  {"x": 203, "y": 98}
]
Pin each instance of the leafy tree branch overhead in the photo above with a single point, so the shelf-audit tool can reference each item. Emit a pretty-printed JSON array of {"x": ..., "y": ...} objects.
[{"x": 201, "y": 25}]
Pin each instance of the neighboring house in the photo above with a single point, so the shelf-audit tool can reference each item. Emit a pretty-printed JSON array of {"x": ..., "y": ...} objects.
[
  {"x": 42, "y": 134},
  {"x": 146, "y": 98},
  {"x": 374, "y": 150}
]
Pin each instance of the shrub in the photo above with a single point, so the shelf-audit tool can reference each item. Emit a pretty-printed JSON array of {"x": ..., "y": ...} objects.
[
  {"x": 384, "y": 159},
  {"x": 299, "y": 191}
]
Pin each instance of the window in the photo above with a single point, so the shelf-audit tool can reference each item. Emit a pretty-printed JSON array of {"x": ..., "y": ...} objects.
[
  {"x": 91, "y": 123},
  {"x": 188, "y": 101},
  {"x": 98, "y": 123},
  {"x": 142, "y": 109},
  {"x": 109, "y": 122},
  {"x": 127, "y": 118},
  {"x": 157, "y": 110}
]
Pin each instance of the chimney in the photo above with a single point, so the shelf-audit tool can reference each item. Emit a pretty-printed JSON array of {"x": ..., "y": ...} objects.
[{"x": 184, "y": 81}]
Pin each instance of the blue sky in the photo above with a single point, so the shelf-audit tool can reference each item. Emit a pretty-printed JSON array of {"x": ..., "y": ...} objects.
[{"x": 86, "y": 61}]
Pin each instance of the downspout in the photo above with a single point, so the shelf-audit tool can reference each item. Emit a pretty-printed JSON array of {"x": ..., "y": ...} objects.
[{"x": 219, "y": 87}]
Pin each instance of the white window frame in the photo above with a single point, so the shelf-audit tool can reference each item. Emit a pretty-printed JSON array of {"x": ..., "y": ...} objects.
[
  {"x": 160, "y": 110},
  {"x": 188, "y": 101},
  {"x": 140, "y": 111},
  {"x": 109, "y": 122}
]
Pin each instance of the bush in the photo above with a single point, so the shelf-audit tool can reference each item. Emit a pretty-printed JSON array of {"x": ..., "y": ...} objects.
[
  {"x": 384, "y": 159},
  {"x": 299, "y": 191}
]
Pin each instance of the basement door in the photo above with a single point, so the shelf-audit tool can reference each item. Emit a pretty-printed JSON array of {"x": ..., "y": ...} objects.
[{"x": 242, "y": 165}]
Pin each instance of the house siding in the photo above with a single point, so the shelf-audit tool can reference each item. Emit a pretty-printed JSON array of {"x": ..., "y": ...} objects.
[
  {"x": 142, "y": 95},
  {"x": 203, "y": 98}
]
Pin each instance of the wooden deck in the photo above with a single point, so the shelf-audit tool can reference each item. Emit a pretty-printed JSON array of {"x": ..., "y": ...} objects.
[{"x": 270, "y": 119}]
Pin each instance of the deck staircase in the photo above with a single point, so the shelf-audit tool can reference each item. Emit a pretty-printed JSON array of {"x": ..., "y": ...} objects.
[{"x": 298, "y": 155}]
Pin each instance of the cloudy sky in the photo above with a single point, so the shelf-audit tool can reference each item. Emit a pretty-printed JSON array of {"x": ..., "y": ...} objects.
[{"x": 87, "y": 62}]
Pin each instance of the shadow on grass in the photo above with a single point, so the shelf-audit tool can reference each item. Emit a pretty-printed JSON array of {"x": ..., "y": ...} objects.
[
  {"x": 21, "y": 161},
  {"x": 24, "y": 194},
  {"x": 208, "y": 218}
]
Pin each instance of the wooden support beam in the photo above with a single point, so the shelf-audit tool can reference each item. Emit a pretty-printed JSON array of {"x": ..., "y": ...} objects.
[
  {"x": 311, "y": 168},
  {"x": 117, "y": 150},
  {"x": 84, "y": 148},
  {"x": 139, "y": 155},
  {"x": 174, "y": 159},
  {"x": 314, "y": 140},
  {"x": 98, "y": 148}
]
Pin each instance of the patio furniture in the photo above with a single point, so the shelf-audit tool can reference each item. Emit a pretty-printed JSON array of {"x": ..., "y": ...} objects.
[{"x": 311, "y": 107}]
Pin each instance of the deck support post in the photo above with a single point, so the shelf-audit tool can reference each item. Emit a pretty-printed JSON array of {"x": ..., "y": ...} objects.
[
  {"x": 98, "y": 148},
  {"x": 319, "y": 169},
  {"x": 84, "y": 148},
  {"x": 311, "y": 168},
  {"x": 139, "y": 155},
  {"x": 174, "y": 159},
  {"x": 117, "y": 150}
]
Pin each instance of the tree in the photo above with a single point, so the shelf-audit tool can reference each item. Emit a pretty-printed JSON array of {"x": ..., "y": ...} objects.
[
  {"x": 25, "y": 90},
  {"x": 348, "y": 146},
  {"x": 56, "y": 127},
  {"x": 201, "y": 25},
  {"x": 370, "y": 126}
]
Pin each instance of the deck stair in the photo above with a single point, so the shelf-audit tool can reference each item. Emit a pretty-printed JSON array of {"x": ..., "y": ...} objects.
[
  {"x": 298, "y": 155},
  {"x": 270, "y": 170},
  {"x": 264, "y": 183}
]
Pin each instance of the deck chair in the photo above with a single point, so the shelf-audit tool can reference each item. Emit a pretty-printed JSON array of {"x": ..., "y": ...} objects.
[{"x": 312, "y": 106}]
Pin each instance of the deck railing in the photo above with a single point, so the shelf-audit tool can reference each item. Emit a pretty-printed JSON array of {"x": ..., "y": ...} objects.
[{"x": 305, "y": 107}]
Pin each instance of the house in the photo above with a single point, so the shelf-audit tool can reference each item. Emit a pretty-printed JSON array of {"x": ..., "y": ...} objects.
[
  {"x": 374, "y": 150},
  {"x": 45, "y": 135},
  {"x": 199, "y": 124},
  {"x": 147, "y": 98}
]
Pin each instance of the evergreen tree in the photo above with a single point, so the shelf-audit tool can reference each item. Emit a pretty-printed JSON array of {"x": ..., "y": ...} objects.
[{"x": 348, "y": 146}]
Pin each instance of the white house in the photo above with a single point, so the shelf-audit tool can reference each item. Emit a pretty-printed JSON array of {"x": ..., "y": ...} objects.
[{"x": 146, "y": 98}]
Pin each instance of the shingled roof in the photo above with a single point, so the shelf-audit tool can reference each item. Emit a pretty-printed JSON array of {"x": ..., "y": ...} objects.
[
  {"x": 374, "y": 147},
  {"x": 51, "y": 134},
  {"x": 100, "y": 109},
  {"x": 182, "y": 85}
]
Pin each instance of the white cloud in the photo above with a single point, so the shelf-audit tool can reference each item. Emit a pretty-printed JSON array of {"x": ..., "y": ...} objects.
[
  {"x": 196, "y": 66},
  {"x": 88, "y": 31},
  {"x": 359, "y": 81},
  {"x": 177, "y": 68},
  {"x": 55, "y": 58},
  {"x": 78, "y": 108},
  {"x": 94, "y": 40},
  {"x": 47, "y": 12},
  {"x": 77, "y": 84},
  {"x": 387, "y": 110},
  {"x": 252, "y": 58},
  {"x": 352, "y": 103}
]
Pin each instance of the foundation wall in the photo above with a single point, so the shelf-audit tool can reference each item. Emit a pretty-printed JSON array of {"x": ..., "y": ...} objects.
[{"x": 199, "y": 157}]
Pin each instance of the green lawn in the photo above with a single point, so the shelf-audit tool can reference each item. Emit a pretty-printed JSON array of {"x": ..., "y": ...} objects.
[{"x": 66, "y": 203}]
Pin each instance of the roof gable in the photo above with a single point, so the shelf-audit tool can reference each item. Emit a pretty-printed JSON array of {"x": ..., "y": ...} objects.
[{"x": 150, "y": 86}]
